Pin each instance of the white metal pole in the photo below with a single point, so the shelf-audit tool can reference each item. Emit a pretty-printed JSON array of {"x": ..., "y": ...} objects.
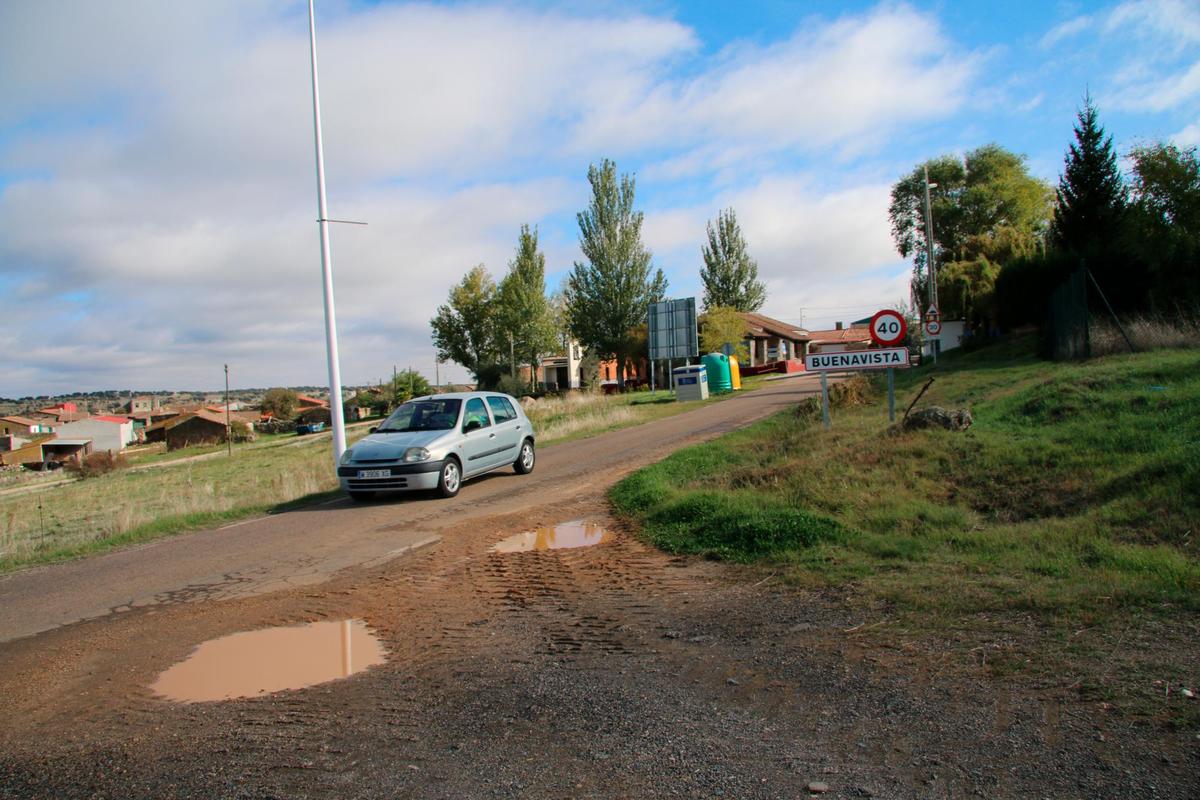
[
  {"x": 335, "y": 377},
  {"x": 930, "y": 264}
]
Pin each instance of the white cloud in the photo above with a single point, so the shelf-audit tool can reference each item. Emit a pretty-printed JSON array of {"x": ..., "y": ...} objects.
[
  {"x": 1188, "y": 137},
  {"x": 1158, "y": 69},
  {"x": 156, "y": 186}
]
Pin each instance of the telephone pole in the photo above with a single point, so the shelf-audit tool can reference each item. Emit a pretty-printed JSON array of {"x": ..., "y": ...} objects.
[{"x": 228, "y": 424}]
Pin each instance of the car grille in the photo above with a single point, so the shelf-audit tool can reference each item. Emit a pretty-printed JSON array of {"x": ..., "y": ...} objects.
[{"x": 376, "y": 484}]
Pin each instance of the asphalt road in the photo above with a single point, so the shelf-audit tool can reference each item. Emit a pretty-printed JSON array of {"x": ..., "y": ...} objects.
[{"x": 311, "y": 544}]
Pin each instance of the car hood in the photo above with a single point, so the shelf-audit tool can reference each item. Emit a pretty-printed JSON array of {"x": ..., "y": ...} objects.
[{"x": 379, "y": 446}]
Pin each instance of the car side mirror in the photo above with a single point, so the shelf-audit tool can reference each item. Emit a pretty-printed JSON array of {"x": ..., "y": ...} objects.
[
  {"x": 372, "y": 429},
  {"x": 473, "y": 425}
]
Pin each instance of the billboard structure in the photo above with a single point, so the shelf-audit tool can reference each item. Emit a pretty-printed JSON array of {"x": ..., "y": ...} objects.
[{"x": 672, "y": 329}]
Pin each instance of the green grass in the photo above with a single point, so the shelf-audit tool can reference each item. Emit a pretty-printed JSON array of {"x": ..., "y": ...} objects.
[{"x": 1073, "y": 494}]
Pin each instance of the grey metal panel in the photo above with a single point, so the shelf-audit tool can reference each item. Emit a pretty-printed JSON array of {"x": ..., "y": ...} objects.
[{"x": 671, "y": 328}]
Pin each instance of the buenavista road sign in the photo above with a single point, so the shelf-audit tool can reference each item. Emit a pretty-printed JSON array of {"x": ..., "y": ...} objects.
[{"x": 857, "y": 359}]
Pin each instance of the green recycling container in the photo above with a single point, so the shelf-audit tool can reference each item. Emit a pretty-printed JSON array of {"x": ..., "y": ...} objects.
[{"x": 719, "y": 379}]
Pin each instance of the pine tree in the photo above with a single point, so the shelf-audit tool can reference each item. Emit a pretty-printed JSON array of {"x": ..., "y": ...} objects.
[
  {"x": 729, "y": 275},
  {"x": 608, "y": 296},
  {"x": 1092, "y": 197}
]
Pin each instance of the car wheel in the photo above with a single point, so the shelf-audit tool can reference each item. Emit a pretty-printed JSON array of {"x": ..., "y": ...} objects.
[
  {"x": 360, "y": 497},
  {"x": 525, "y": 459},
  {"x": 450, "y": 478}
]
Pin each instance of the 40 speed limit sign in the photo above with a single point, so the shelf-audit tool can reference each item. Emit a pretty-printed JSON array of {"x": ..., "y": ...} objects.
[{"x": 888, "y": 328}]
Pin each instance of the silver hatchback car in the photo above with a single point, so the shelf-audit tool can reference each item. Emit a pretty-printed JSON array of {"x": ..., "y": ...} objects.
[{"x": 437, "y": 442}]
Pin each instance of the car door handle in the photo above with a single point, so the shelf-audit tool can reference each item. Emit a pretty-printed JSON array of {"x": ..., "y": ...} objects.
[{"x": 491, "y": 436}]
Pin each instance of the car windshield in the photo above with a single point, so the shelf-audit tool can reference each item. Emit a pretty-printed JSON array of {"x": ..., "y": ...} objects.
[{"x": 423, "y": 415}]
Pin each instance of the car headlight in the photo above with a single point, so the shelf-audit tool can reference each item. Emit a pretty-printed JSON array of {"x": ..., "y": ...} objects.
[
  {"x": 347, "y": 456},
  {"x": 416, "y": 454}
]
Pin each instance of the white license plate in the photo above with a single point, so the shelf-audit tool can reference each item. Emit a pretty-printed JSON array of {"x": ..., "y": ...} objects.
[{"x": 374, "y": 473}]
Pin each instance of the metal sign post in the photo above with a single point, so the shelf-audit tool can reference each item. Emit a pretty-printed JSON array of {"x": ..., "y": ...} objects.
[
  {"x": 825, "y": 401},
  {"x": 891, "y": 395}
]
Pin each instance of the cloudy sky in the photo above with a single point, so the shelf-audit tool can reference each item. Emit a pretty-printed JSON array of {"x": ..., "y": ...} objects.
[{"x": 157, "y": 195}]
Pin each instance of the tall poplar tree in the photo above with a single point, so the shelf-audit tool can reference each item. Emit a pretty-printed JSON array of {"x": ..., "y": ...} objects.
[
  {"x": 608, "y": 295},
  {"x": 729, "y": 275},
  {"x": 523, "y": 312}
]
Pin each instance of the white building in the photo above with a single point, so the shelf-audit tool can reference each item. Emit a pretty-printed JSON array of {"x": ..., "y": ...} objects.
[
  {"x": 106, "y": 433},
  {"x": 562, "y": 372}
]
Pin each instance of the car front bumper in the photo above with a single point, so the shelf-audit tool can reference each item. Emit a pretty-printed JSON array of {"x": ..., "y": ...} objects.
[{"x": 403, "y": 477}]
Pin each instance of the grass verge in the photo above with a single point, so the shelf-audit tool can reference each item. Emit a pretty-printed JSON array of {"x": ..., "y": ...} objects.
[{"x": 1072, "y": 501}]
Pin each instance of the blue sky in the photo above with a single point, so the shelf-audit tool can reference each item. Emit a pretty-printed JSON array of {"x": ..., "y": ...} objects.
[{"x": 156, "y": 178}]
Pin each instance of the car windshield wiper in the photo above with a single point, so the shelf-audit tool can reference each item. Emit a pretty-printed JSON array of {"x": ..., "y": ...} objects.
[{"x": 394, "y": 430}]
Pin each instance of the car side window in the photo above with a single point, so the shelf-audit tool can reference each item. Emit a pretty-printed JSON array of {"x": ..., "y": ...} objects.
[
  {"x": 476, "y": 412},
  {"x": 502, "y": 410}
]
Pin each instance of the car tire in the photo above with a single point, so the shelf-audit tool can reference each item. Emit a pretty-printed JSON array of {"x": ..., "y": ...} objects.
[
  {"x": 360, "y": 497},
  {"x": 449, "y": 478},
  {"x": 526, "y": 458}
]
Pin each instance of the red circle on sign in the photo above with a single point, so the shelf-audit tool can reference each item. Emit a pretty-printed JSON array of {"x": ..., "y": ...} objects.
[
  {"x": 888, "y": 327},
  {"x": 933, "y": 327}
]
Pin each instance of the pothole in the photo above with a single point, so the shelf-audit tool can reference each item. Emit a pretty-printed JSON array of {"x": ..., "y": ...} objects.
[
  {"x": 256, "y": 663},
  {"x": 575, "y": 533}
]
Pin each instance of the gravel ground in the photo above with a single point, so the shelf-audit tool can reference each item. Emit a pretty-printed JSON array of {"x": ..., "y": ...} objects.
[{"x": 608, "y": 671}]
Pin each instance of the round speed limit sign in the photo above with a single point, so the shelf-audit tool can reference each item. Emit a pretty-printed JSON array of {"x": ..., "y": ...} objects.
[{"x": 888, "y": 328}]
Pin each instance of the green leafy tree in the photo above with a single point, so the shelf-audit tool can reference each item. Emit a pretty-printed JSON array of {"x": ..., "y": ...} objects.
[
  {"x": 1092, "y": 198},
  {"x": 983, "y": 205},
  {"x": 729, "y": 275},
  {"x": 280, "y": 403},
  {"x": 524, "y": 314},
  {"x": 408, "y": 384},
  {"x": 1166, "y": 221},
  {"x": 464, "y": 330},
  {"x": 721, "y": 325},
  {"x": 967, "y": 289},
  {"x": 609, "y": 294}
]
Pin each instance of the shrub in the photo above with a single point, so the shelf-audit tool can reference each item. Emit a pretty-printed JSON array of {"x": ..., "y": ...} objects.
[
  {"x": 240, "y": 432},
  {"x": 93, "y": 465}
]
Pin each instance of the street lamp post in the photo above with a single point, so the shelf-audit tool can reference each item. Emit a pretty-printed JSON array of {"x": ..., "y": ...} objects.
[
  {"x": 336, "y": 420},
  {"x": 930, "y": 264}
]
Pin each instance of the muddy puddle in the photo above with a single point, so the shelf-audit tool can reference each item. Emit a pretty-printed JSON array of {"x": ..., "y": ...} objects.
[
  {"x": 576, "y": 533},
  {"x": 256, "y": 663}
]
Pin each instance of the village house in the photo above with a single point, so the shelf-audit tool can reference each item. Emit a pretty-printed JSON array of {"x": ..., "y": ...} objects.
[
  {"x": 106, "y": 432},
  {"x": 188, "y": 430},
  {"x": 771, "y": 340},
  {"x": 841, "y": 339},
  {"x": 23, "y": 426}
]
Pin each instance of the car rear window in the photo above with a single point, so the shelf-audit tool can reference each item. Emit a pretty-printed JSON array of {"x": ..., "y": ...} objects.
[{"x": 502, "y": 409}]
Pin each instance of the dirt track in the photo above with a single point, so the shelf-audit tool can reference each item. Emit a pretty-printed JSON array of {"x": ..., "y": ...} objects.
[{"x": 610, "y": 671}]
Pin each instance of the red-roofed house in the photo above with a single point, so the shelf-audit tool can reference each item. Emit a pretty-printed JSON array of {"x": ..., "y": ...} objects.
[
  {"x": 773, "y": 340},
  {"x": 106, "y": 433},
  {"x": 303, "y": 401},
  {"x": 840, "y": 339}
]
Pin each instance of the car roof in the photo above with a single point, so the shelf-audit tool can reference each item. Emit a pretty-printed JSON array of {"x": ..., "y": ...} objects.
[{"x": 462, "y": 395}]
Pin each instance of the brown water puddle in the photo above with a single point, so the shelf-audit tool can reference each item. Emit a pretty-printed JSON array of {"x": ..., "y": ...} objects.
[
  {"x": 255, "y": 663},
  {"x": 576, "y": 533}
]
